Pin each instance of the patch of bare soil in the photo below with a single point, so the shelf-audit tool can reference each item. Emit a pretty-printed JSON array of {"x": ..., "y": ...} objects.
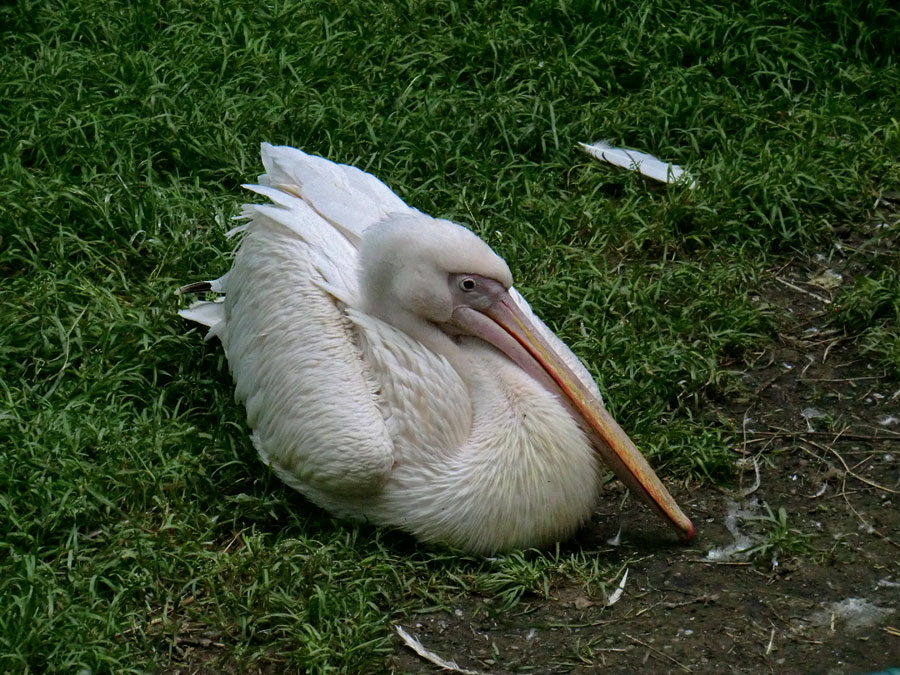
[{"x": 817, "y": 503}]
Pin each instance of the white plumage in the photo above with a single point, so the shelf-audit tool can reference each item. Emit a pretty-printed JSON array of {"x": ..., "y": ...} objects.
[
  {"x": 391, "y": 373},
  {"x": 635, "y": 160}
]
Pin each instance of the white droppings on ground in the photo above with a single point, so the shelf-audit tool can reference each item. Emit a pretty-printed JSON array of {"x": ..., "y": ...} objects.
[
  {"x": 855, "y": 613},
  {"x": 811, "y": 414},
  {"x": 733, "y": 515}
]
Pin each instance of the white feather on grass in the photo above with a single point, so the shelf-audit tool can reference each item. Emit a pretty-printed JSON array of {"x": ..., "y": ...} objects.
[{"x": 635, "y": 160}]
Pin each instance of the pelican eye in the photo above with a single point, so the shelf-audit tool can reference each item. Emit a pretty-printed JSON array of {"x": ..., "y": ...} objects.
[{"x": 467, "y": 285}]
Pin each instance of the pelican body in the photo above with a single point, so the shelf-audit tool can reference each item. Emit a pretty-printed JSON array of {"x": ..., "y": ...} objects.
[{"x": 391, "y": 372}]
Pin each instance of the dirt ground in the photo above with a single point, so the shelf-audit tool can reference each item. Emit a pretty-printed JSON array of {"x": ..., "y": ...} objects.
[{"x": 818, "y": 443}]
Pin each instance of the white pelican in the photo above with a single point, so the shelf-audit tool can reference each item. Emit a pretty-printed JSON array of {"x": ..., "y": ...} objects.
[{"x": 391, "y": 372}]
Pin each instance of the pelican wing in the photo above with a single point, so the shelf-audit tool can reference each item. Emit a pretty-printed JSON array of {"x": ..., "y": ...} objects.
[
  {"x": 348, "y": 198},
  {"x": 293, "y": 353}
]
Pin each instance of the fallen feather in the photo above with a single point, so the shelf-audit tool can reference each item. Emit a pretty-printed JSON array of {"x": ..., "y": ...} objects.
[
  {"x": 820, "y": 492},
  {"x": 617, "y": 540},
  {"x": 650, "y": 166},
  {"x": 616, "y": 594},
  {"x": 428, "y": 655}
]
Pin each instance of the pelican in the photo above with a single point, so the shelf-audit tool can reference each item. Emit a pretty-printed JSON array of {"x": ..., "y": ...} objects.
[{"x": 391, "y": 373}]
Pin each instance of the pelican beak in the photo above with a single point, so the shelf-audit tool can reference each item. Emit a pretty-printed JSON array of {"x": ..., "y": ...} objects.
[{"x": 509, "y": 329}]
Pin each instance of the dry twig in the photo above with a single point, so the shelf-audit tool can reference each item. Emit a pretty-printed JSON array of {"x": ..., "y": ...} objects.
[
  {"x": 853, "y": 437},
  {"x": 849, "y": 471},
  {"x": 794, "y": 287},
  {"x": 659, "y": 653}
]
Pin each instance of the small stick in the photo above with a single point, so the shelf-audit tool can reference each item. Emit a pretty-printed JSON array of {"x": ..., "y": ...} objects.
[
  {"x": 803, "y": 290},
  {"x": 841, "y": 379},
  {"x": 855, "y": 437},
  {"x": 753, "y": 441},
  {"x": 234, "y": 539},
  {"x": 849, "y": 471},
  {"x": 705, "y": 598},
  {"x": 743, "y": 494},
  {"x": 765, "y": 385},
  {"x": 866, "y": 523},
  {"x": 828, "y": 348},
  {"x": 659, "y": 653},
  {"x": 197, "y": 642}
]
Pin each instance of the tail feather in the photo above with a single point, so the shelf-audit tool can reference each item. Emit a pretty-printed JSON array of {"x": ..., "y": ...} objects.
[
  {"x": 196, "y": 287},
  {"x": 209, "y": 314}
]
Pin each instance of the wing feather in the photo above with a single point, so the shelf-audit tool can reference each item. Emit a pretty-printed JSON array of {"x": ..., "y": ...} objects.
[
  {"x": 209, "y": 314},
  {"x": 310, "y": 397},
  {"x": 345, "y": 196},
  {"x": 296, "y": 365}
]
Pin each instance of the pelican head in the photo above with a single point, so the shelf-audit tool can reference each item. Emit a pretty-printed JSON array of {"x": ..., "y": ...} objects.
[
  {"x": 436, "y": 280},
  {"x": 406, "y": 261}
]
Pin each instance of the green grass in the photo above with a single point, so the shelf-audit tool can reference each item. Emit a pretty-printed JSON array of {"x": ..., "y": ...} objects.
[
  {"x": 778, "y": 539},
  {"x": 133, "y": 512},
  {"x": 870, "y": 309}
]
